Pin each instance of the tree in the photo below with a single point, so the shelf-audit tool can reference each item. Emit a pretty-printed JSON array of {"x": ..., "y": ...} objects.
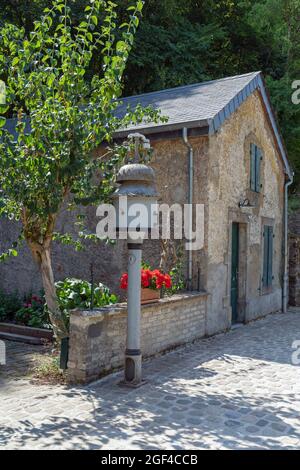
[
  {"x": 183, "y": 42},
  {"x": 277, "y": 23},
  {"x": 69, "y": 112},
  {"x": 179, "y": 43}
]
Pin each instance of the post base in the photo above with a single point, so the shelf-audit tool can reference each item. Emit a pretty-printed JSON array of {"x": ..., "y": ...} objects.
[
  {"x": 123, "y": 383},
  {"x": 133, "y": 366}
]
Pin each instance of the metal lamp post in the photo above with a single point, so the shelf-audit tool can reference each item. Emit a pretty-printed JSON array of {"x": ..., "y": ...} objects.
[{"x": 135, "y": 199}]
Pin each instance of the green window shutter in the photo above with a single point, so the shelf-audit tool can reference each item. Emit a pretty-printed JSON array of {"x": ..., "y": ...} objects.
[
  {"x": 252, "y": 167},
  {"x": 266, "y": 252},
  {"x": 270, "y": 255},
  {"x": 257, "y": 168}
]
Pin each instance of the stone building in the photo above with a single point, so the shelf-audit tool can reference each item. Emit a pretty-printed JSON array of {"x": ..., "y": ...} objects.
[{"x": 220, "y": 147}]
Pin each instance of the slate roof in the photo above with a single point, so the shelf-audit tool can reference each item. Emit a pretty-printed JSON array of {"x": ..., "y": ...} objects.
[
  {"x": 205, "y": 104},
  {"x": 197, "y": 103}
]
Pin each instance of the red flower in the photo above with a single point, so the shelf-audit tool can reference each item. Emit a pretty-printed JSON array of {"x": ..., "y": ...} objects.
[
  {"x": 159, "y": 279},
  {"x": 124, "y": 281},
  {"x": 156, "y": 272},
  {"x": 149, "y": 279},
  {"x": 148, "y": 273},
  {"x": 145, "y": 279},
  {"x": 168, "y": 281}
]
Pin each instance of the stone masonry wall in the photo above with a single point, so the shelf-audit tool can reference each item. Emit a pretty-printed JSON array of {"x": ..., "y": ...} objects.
[
  {"x": 170, "y": 162},
  {"x": 97, "y": 338},
  {"x": 294, "y": 220},
  {"x": 229, "y": 184}
]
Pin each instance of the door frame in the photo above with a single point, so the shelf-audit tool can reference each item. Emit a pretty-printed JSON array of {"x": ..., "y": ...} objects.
[{"x": 235, "y": 216}]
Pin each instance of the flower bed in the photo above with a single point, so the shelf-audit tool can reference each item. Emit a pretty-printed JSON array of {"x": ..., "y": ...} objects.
[
  {"x": 31, "y": 310},
  {"x": 155, "y": 280}
]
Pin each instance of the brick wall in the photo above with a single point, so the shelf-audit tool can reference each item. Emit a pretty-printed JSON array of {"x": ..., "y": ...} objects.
[{"x": 97, "y": 338}]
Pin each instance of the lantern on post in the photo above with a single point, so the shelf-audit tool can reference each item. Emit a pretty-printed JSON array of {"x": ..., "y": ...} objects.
[{"x": 135, "y": 201}]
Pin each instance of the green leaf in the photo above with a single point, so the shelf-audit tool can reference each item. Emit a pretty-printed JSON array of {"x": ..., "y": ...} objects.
[
  {"x": 60, "y": 7},
  {"x": 2, "y": 121},
  {"x": 140, "y": 5},
  {"x": 13, "y": 252},
  {"x": 94, "y": 20},
  {"x": 3, "y": 108},
  {"x": 50, "y": 79}
]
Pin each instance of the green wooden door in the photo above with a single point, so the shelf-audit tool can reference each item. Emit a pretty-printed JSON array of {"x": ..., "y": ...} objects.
[
  {"x": 235, "y": 272},
  {"x": 268, "y": 256}
]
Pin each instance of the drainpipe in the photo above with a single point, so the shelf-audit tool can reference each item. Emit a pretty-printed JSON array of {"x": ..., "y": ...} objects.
[
  {"x": 286, "y": 250},
  {"x": 190, "y": 202}
]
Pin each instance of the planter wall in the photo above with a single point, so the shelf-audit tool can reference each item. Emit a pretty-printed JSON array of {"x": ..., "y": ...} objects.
[{"x": 97, "y": 338}]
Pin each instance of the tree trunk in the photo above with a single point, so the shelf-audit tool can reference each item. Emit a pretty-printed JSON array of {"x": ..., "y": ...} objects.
[
  {"x": 40, "y": 244},
  {"x": 42, "y": 256},
  {"x": 56, "y": 318}
]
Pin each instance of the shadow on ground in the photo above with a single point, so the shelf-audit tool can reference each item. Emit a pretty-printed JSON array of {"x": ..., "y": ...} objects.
[
  {"x": 134, "y": 421},
  {"x": 220, "y": 392}
]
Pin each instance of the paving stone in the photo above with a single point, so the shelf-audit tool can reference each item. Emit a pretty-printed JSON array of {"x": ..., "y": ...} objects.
[
  {"x": 252, "y": 429},
  {"x": 262, "y": 423},
  {"x": 278, "y": 427},
  {"x": 232, "y": 391},
  {"x": 231, "y": 423}
]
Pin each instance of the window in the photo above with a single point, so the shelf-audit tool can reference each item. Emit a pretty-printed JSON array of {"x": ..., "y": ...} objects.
[
  {"x": 255, "y": 160},
  {"x": 268, "y": 256}
]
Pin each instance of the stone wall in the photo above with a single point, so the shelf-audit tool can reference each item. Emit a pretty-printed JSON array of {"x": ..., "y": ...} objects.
[
  {"x": 294, "y": 270},
  {"x": 170, "y": 162},
  {"x": 97, "y": 338},
  {"x": 294, "y": 219},
  {"x": 229, "y": 184}
]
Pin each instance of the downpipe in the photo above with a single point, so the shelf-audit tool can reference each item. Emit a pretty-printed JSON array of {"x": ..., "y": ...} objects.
[
  {"x": 286, "y": 250},
  {"x": 190, "y": 202}
]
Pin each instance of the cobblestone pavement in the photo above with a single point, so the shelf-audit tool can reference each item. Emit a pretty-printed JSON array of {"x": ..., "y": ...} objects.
[
  {"x": 234, "y": 391},
  {"x": 21, "y": 359}
]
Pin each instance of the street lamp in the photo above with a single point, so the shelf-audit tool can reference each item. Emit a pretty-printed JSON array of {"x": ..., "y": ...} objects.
[{"x": 135, "y": 201}]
